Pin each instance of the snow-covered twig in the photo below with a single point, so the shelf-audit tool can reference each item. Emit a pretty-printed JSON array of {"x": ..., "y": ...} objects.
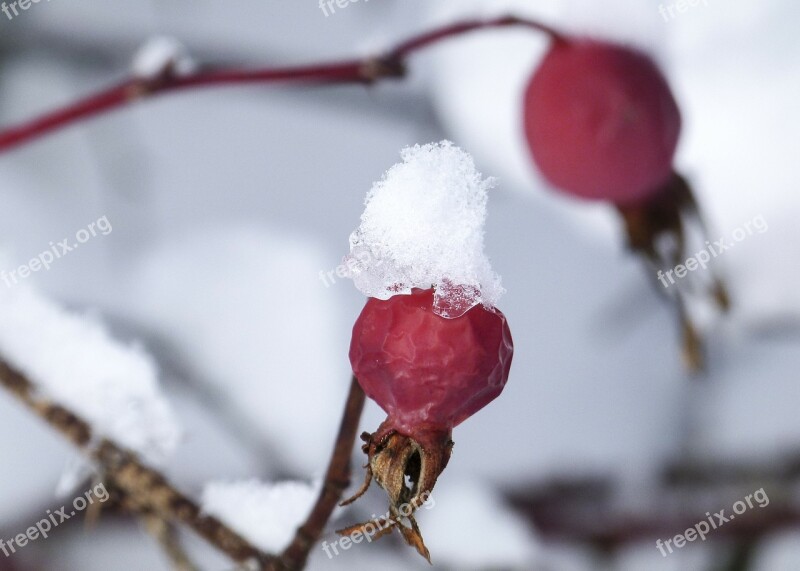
[
  {"x": 359, "y": 70},
  {"x": 146, "y": 490}
]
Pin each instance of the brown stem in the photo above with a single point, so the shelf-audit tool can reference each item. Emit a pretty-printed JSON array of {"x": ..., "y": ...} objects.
[
  {"x": 365, "y": 71},
  {"x": 167, "y": 537},
  {"x": 668, "y": 214},
  {"x": 337, "y": 479},
  {"x": 145, "y": 488},
  {"x": 589, "y": 512}
]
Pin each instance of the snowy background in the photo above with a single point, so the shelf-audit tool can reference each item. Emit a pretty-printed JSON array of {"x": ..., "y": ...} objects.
[{"x": 226, "y": 204}]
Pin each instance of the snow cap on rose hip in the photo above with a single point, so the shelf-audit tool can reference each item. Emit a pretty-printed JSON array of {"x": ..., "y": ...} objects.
[{"x": 423, "y": 227}]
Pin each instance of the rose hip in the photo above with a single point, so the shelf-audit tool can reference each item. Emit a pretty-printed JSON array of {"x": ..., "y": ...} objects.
[
  {"x": 426, "y": 370},
  {"x": 601, "y": 121},
  {"x": 429, "y": 373}
]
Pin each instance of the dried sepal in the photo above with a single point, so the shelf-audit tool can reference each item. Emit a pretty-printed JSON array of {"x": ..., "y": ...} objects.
[
  {"x": 658, "y": 231},
  {"x": 407, "y": 469}
]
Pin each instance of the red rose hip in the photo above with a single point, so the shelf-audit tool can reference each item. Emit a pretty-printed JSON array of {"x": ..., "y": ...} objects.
[
  {"x": 429, "y": 373},
  {"x": 602, "y": 124},
  {"x": 426, "y": 370},
  {"x": 601, "y": 121}
]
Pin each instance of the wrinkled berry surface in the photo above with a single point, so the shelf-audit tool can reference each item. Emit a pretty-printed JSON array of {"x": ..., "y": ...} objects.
[
  {"x": 427, "y": 371},
  {"x": 601, "y": 121}
]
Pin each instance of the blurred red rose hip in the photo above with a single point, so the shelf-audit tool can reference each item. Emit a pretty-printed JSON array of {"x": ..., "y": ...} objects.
[{"x": 601, "y": 121}]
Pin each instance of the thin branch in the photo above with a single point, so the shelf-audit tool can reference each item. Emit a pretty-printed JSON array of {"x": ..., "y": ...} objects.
[
  {"x": 589, "y": 512},
  {"x": 135, "y": 89},
  {"x": 337, "y": 479},
  {"x": 167, "y": 537},
  {"x": 145, "y": 488},
  {"x": 355, "y": 71},
  {"x": 406, "y": 48}
]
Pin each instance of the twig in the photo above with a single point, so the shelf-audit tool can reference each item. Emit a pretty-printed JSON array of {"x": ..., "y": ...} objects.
[
  {"x": 337, "y": 479},
  {"x": 167, "y": 538},
  {"x": 588, "y": 512},
  {"x": 145, "y": 488},
  {"x": 406, "y": 48},
  {"x": 363, "y": 70}
]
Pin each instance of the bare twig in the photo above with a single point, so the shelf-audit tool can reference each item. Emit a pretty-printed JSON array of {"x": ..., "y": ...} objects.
[
  {"x": 408, "y": 47},
  {"x": 337, "y": 478},
  {"x": 589, "y": 512},
  {"x": 168, "y": 539},
  {"x": 145, "y": 489},
  {"x": 362, "y": 70}
]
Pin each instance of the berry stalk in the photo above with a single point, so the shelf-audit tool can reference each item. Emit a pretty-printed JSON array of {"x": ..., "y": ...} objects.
[{"x": 602, "y": 124}]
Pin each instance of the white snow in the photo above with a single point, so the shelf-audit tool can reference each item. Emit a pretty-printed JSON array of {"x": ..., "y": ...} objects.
[
  {"x": 645, "y": 555},
  {"x": 247, "y": 307},
  {"x": 162, "y": 54},
  {"x": 778, "y": 552},
  {"x": 422, "y": 227},
  {"x": 266, "y": 514},
  {"x": 73, "y": 361},
  {"x": 469, "y": 527}
]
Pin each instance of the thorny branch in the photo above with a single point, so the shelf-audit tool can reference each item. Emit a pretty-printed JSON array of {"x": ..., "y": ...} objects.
[
  {"x": 147, "y": 492},
  {"x": 144, "y": 488},
  {"x": 362, "y": 70}
]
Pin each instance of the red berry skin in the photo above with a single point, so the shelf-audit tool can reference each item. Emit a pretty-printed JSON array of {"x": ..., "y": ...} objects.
[
  {"x": 601, "y": 122},
  {"x": 429, "y": 373}
]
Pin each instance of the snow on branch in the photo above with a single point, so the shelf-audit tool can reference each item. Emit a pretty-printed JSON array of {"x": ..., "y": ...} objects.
[
  {"x": 71, "y": 360},
  {"x": 266, "y": 514}
]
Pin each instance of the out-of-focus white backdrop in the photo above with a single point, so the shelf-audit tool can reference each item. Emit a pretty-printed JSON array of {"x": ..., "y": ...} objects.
[{"x": 227, "y": 203}]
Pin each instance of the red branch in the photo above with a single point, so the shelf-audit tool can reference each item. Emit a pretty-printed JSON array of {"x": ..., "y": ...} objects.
[
  {"x": 424, "y": 40},
  {"x": 365, "y": 71}
]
